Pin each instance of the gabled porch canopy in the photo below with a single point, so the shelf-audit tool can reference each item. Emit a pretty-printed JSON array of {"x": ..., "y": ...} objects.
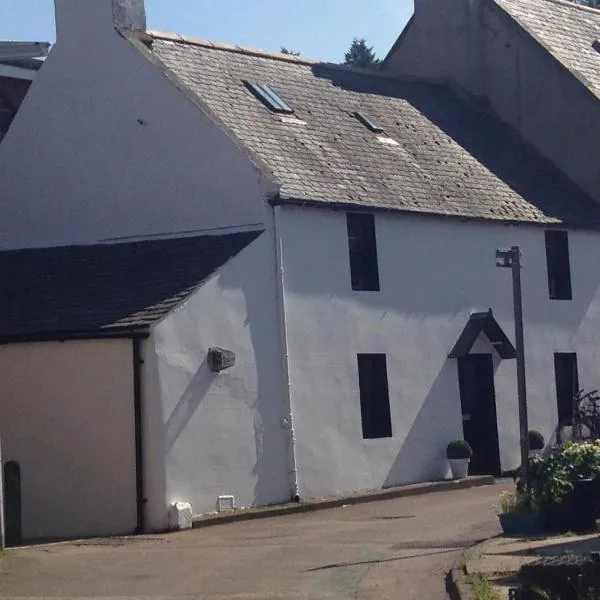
[{"x": 486, "y": 323}]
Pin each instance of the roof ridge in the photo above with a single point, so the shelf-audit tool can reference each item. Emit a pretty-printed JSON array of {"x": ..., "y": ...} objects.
[
  {"x": 299, "y": 60},
  {"x": 194, "y": 41}
]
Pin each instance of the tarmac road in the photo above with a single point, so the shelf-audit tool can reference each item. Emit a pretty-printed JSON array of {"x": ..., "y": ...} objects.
[{"x": 400, "y": 549}]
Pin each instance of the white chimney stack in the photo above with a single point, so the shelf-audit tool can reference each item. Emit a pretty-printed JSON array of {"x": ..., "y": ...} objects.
[{"x": 85, "y": 18}]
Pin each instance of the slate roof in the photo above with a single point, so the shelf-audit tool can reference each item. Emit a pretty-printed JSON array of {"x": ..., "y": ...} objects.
[
  {"x": 451, "y": 159},
  {"x": 108, "y": 287},
  {"x": 32, "y": 64},
  {"x": 567, "y": 30}
]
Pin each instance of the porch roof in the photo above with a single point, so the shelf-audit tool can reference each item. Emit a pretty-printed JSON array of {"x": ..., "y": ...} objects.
[{"x": 483, "y": 322}]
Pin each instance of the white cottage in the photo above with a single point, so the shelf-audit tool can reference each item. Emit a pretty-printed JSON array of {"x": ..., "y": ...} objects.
[{"x": 237, "y": 273}]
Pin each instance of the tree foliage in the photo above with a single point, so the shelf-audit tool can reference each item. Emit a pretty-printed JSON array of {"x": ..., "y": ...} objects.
[
  {"x": 285, "y": 50},
  {"x": 360, "y": 55}
]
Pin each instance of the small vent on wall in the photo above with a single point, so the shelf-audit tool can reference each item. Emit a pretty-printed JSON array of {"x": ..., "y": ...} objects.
[{"x": 225, "y": 503}]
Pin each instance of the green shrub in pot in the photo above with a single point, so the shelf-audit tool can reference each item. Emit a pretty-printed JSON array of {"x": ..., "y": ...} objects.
[
  {"x": 536, "y": 440},
  {"x": 458, "y": 449}
]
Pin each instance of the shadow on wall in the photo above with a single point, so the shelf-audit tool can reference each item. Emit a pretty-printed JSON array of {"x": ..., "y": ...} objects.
[
  {"x": 272, "y": 482},
  {"x": 187, "y": 405},
  {"x": 155, "y": 476},
  {"x": 423, "y": 453},
  {"x": 254, "y": 337}
]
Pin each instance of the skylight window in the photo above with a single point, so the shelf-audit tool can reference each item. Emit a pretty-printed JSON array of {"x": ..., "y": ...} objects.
[
  {"x": 269, "y": 98},
  {"x": 368, "y": 122}
]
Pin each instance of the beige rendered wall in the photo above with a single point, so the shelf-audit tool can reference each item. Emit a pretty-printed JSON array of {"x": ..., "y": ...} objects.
[{"x": 66, "y": 416}]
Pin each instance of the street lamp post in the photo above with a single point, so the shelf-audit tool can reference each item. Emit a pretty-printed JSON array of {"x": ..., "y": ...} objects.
[
  {"x": 511, "y": 258},
  {"x": 2, "y": 525}
]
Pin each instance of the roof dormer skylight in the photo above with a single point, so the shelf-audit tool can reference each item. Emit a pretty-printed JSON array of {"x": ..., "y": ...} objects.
[
  {"x": 269, "y": 98},
  {"x": 369, "y": 123}
]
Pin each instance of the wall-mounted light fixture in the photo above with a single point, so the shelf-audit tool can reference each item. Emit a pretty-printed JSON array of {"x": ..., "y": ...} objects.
[{"x": 219, "y": 359}]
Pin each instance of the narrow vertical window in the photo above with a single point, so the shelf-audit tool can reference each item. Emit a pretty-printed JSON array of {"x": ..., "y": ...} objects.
[
  {"x": 567, "y": 385},
  {"x": 559, "y": 269},
  {"x": 363, "y": 252},
  {"x": 374, "y": 396}
]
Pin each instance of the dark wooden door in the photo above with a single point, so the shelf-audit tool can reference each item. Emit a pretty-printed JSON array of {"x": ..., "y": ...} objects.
[
  {"x": 12, "y": 503},
  {"x": 478, "y": 400}
]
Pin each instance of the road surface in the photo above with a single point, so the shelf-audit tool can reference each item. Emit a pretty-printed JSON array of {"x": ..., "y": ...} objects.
[{"x": 398, "y": 549}]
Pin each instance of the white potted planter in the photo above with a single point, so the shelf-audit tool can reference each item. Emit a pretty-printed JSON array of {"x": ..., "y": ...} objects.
[
  {"x": 459, "y": 453},
  {"x": 459, "y": 467}
]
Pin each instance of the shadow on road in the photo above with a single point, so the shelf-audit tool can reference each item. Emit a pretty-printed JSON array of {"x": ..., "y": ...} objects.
[{"x": 383, "y": 560}]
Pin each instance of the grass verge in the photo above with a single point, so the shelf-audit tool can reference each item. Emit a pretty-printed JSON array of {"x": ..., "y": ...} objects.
[{"x": 482, "y": 588}]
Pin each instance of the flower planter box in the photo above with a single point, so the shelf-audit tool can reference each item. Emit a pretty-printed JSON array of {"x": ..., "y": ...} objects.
[
  {"x": 596, "y": 494},
  {"x": 577, "y": 512},
  {"x": 521, "y": 524}
]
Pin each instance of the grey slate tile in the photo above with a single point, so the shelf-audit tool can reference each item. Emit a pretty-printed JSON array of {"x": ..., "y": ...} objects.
[
  {"x": 108, "y": 286},
  {"x": 452, "y": 158}
]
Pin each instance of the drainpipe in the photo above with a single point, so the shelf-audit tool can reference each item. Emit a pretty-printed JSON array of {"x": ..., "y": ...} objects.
[
  {"x": 2, "y": 527},
  {"x": 285, "y": 359},
  {"x": 139, "y": 449}
]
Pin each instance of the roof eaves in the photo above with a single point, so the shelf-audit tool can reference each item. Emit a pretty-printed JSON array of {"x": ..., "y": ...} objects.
[
  {"x": 532, "y": 34},
  {"x": 108, "y": 333},
  {"x": 283, "y": 200},
  {"x": 139, "y": 42}
]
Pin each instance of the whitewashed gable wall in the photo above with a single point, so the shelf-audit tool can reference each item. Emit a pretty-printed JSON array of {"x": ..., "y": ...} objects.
[
  {"x": 210, "y": 434},
  {"x": 105, "y": 147}
]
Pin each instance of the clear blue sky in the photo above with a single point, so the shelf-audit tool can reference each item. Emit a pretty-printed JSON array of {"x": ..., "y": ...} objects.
[{"x": 321, "y": 29}]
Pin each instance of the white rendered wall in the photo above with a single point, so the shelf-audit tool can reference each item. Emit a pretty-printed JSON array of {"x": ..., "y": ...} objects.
[
  {"x": 210, "y": 434},
  {"x": 105, "y": 147},
  {"x": 68, "y": 420},
  {"x": 433, "y": 275}
]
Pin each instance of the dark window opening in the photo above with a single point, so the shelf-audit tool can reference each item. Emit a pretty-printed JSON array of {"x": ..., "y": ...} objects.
[
  {"x": 362, "y": 243},
  {"x": 567, "y": 385},
  {"x": 374, "y": 396},
  {"x": 369, "y": 123},
  {"x": 269, "y": 97},
  {"x": 559, "y": 269}
]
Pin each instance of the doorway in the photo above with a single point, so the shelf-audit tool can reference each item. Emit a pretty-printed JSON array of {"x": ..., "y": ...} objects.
[
  {"x": 12, "y": 503},
  {"x": 478, "y": 403}
]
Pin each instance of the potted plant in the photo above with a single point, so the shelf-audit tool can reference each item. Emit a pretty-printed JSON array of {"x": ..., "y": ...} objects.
[
  {"x": 550, "y": 487},
  {"x": 519, "y": 514},
  {"x": 583, "y": 464},
  {"x": 536, "y": 442},
  {"x": 459, "y": 454}
]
